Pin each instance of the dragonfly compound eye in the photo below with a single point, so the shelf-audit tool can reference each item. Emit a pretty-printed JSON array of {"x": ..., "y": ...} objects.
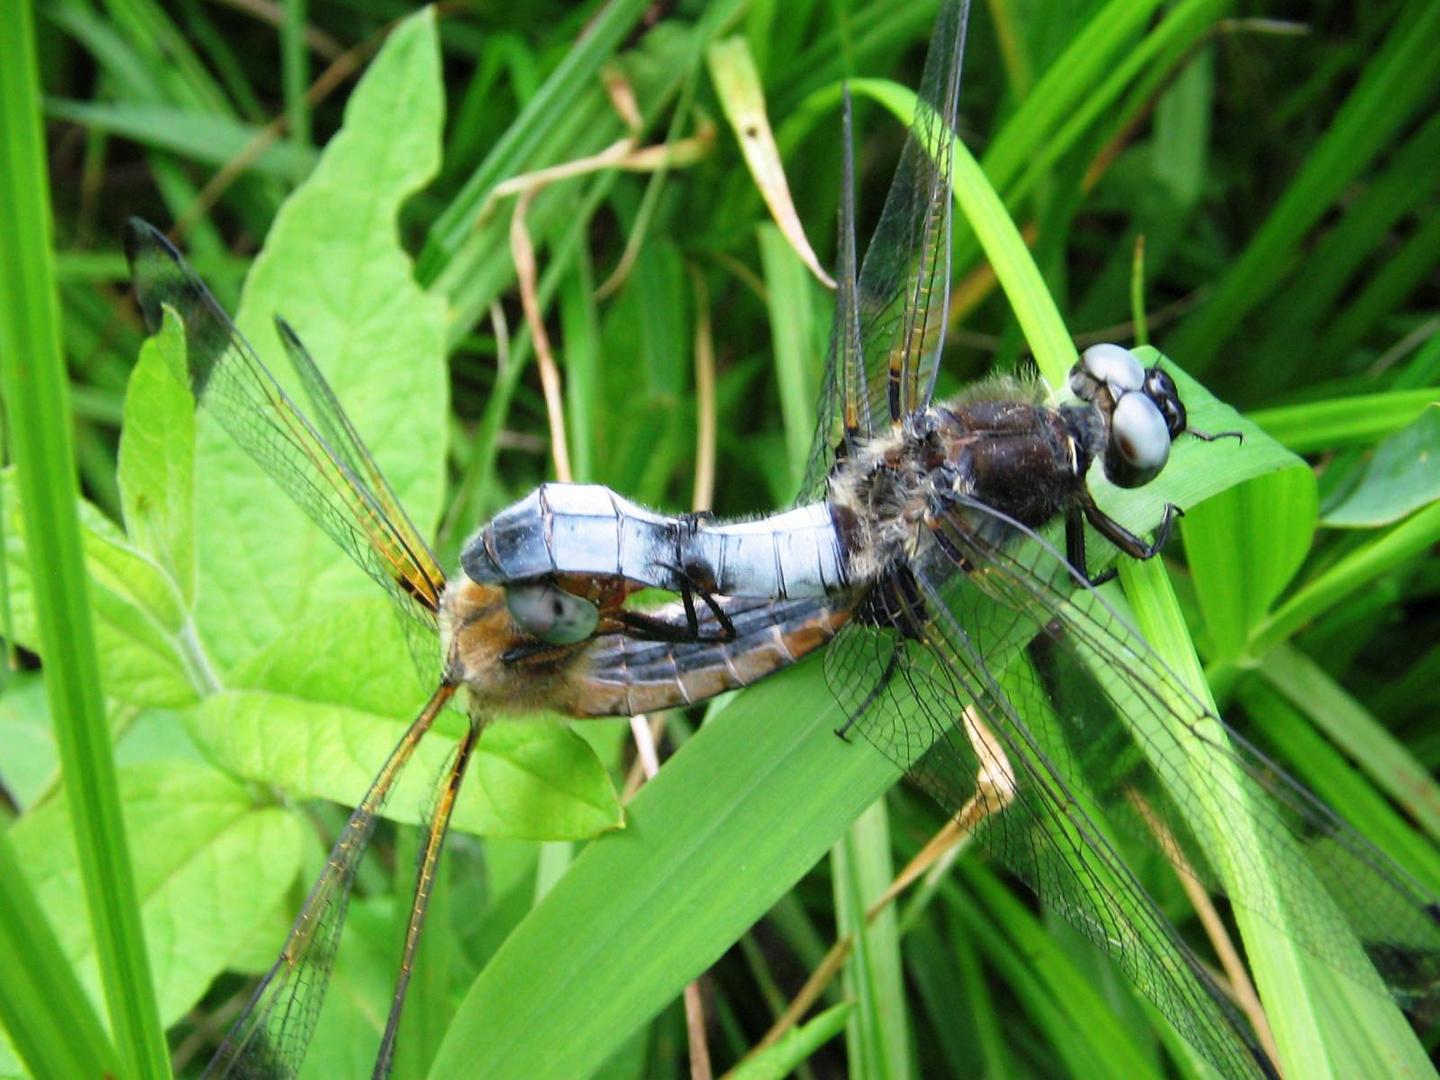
[
  {"x": 546, "y": 611},
  {"x": 1139, "y": 441},
  {"x": 1111, "y": 366},
  {"x": 1161, "y": 389}
]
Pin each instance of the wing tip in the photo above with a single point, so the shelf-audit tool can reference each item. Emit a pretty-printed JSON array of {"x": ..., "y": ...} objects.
[{"x": 140, "y": 235}]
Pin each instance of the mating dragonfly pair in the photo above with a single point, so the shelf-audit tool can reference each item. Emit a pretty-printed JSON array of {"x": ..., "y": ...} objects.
[{"x": 961, "y": 642}]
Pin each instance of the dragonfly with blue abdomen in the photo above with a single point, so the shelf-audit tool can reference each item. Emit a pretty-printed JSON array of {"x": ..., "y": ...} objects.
[
  {"x": 568, "y": 644},
  {"x": 978, "y": 653},
  {"x": 963, "y": 644}
]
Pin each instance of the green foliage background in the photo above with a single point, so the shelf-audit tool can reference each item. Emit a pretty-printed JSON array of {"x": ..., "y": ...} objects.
[{"x": 1282, "y": 177}]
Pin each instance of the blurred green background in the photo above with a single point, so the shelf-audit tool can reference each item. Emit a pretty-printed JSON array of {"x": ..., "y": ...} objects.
[{"x": 1259, "y": 181}]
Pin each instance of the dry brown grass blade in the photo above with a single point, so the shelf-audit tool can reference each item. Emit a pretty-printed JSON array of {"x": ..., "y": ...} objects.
[
  {"x": 704, "y": 496},
  {"x": 737, "y": 83},
  {"x": 1242, "y": 990},
  {"x": 526, "y": 274}
]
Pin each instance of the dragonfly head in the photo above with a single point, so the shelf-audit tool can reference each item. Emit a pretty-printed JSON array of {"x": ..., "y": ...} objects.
[
  {"x": 551, "y": 614},
  {"x": 1143, "y": 408}
]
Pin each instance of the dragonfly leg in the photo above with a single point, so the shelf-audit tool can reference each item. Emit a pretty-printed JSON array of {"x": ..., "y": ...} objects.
[
  {"x": 434, "y": 843},
  {"x": 1075, "y": 549},
  {"x": 689, "y": 589},
  {"x": 891, "y": 666},
  {"x": 1117, "y": 534},
  {"x": 649, "y": 628}
]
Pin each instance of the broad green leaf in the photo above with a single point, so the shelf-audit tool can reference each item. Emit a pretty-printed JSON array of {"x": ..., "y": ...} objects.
[
  {"x": 156, "y": 471},
  {"x": 1197, "y": 470},
  {"x": 211, "y": 866},
  {"x": 1401, "y": 477},
  {"x": 30, "y": 763},
  {"x": 333, "y": 267},
  {"x": 317, "y": 711},
  {"x": 728, "y": 825},
  {"x": 138, "y": 614},
  {"x": 533, "y": 781}
]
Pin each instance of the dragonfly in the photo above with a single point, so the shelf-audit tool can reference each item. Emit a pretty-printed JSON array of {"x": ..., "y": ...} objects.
[
  {"x": 567, "y": 644},
  {"x": 962, "y": 643},
  {"x": 979, "y": 653}
]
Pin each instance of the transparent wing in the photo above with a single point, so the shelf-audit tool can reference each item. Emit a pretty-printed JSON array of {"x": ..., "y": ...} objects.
[
  {"x": 915, "y": 695},
  {"x": 905, "y": 279},
  {"x": 1150, "y": 752},
  {"x": 843, "y": 408},
  {"x": 890, "y": 324},
  {"x": 331, "y": 476},
  {"x": 1102, "y": 742},
  {"x": 270, "y": 1037}
]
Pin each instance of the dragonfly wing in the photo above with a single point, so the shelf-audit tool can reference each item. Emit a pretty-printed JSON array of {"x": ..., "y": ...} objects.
[
  {"x": 905, "y": 279},
  {"x": 270, "y": 1037},
  {"x": 330, "y": 480},
  {"x": 890, "y": 323},
  {"x": 1150, "y": 752},
  {"x": 339, "y": 432},
  {"x": 917, "y": 701},
  {"x": 843, "y": 409}
]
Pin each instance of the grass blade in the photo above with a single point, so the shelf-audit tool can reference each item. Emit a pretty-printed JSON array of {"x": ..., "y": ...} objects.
[{"x": 36, "y": 391}]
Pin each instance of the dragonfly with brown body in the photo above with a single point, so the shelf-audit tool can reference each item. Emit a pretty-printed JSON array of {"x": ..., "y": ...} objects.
[{"x": 959, "y": 639}]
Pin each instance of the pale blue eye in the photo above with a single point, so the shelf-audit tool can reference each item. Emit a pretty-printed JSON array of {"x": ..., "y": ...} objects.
[
  {"x": 1138, "y": 431},
  {"x": 548, "y": 612},
  {"x": 1113, "y": 365}
]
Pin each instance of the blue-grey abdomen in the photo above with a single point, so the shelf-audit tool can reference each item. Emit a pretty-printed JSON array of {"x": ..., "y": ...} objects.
[{"x": 588, "y": 529}]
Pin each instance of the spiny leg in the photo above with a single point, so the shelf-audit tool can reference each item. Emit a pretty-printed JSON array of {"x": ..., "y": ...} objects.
[
  {"x": 1117, "y": 534},
  {"x": 436, "y": 829}
]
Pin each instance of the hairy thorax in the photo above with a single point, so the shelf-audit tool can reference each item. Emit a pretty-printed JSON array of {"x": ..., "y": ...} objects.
[{"x": 999, "y": 444}]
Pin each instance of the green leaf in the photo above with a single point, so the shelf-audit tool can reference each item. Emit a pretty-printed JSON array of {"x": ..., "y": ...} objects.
[
  {"x": 702, "y": 856},
  {"x": 156, "y": 469},
  {"x": 30, "y": 763},
  {"x": 1320, "y": 1017},
  {"x": 877, "y": 1034},
  {"x": 792, "y": 310},
  {"x": 1054, "y": 987},
  {"x": 1374, "y": 749},
  {"x": 138, "y": 616},
  {"x": 333, "y": 267},
  {"x": 44, "y": 1011},
  {"x": 1401, "y": 477},
  {"x": 211, "y": 868},
  {"x": 1352, "y": 420},
  {"x": 315, "y": 714}
]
